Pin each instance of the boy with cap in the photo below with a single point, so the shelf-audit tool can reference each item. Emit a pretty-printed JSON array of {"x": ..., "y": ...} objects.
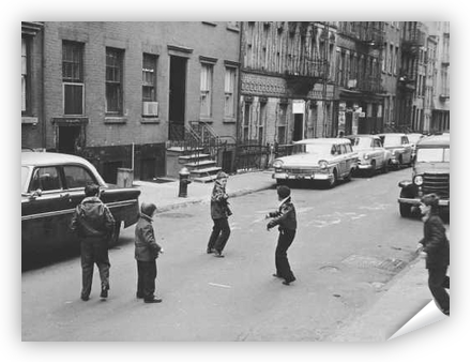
[
  {"x": 146, "y": 253},
  {"x": 219, "y": 214},
  {"x": 93, "y": 223},
  {"x": 435, "y": 248},
  {"x": 286, "y": 219}
]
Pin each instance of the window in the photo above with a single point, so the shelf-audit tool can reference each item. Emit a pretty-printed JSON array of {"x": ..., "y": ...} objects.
[
  {"x": 261, "y": 122},
  {"x": 77, "y": 177},
  {"x": 114, "y": 70},
  {"x": 206, "y": 89},
  {"x": 25, "y": 76},
  {"x": 282, "y": 122},
  {"x": 46, "y": 179},
  {"x": 149, "y": 86},
  {"x": 72, "y": 77},
  {"x": 246, "y": 121},
  {"x": 230, "y": 86}
]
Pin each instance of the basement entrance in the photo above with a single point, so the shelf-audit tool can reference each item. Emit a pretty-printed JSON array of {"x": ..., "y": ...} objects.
[{"x": 177, "y": 98}]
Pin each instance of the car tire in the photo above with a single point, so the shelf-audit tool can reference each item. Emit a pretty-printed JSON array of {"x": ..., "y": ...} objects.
[
  {"x": 405, "y": 209},
  {"x": 280, "y": 182},
  {"x": 349, "y": 176},
  {"x": 113, "y": 241},
  {"x": 386, "y": 166},
  {"x": 334, "y": 180},
  {"x": 373, "y": 169}
]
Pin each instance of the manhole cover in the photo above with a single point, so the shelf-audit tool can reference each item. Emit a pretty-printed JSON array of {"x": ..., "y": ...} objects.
[
  {"x": 329, "y": 268},
  {"x": 389, "y": 264}
]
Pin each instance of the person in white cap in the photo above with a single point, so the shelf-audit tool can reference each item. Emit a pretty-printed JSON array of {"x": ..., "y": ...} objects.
[{"x": 220, "y": 212}]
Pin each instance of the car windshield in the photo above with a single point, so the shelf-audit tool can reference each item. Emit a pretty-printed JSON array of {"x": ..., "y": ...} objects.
[
  {"x": 24, "y": 177},
  {"x": 433, "y": 155},
  {"x": 391, "y": 140},
  {"x": 360, "y": 143},
  {"x": 321, "y": 149},
  {"x": 413, "y": 138}
]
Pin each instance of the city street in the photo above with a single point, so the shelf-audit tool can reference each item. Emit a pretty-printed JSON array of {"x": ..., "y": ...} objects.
[{"x": 350, "y": 243}]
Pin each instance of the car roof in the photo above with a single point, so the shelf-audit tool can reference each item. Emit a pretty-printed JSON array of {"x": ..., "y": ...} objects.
[
  {"x": 323, "y": 141},
  {"x": 391, "y": 134},
  {"x": 362, "y": 136},
  {"x": 435, "y": 141},
  {"x": 49, "y": 158}
]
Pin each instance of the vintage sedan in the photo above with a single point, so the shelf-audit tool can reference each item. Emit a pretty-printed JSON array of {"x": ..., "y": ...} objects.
[
  {"x": 372, "y": 155},
  {"x": 52, "y": 185},
  {"x": 400, "y": 147},
  {"x": 317, "y": 159}
]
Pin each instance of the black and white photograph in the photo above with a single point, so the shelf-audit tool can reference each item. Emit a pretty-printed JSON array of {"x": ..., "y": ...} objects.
[{"x": 268, "y": 180}]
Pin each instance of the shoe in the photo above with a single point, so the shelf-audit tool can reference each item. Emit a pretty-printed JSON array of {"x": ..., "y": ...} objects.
[
  {"x": 276, "y": 275},
  {"x": 139, "y": 296},
  {"x": 154, "y": 300},
  {"x": 210, "y": 251},
  {"x": 85, "y": 298},
  {"x": 104, "y": 293},
  {"x": 287, "y": 282},
  {"x": 218, "y": 254}
]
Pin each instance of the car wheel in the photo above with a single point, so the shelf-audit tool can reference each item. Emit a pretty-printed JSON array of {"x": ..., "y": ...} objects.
[
  {"x": 373, "y": 169},
  {"x": 332, "y": 182},
  {"x": 349, "y": 176},
  {"x": 405, "y": 209},
  {"x": 400, "y": 162},
  {"x": 115, "y": 235},
  {"x": 386, "y": 166},
  {"x": 280, "y": 182}
]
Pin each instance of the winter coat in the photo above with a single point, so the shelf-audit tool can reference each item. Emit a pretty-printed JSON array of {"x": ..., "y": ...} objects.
[
  {"x": 219, "y": 204},
  {"x": 92, "y": 218},
  {"x": 435, "y": 243},
  {"x": 146, "y": 248},
  {"x": 285, "y": 217}
]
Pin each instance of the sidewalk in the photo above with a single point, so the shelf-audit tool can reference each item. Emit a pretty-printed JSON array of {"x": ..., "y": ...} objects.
[{"x": 165, "y": 195}]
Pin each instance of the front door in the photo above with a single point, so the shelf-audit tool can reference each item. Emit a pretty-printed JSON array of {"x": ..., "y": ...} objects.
[
  {"x": 298, "y": 127},
  {"x": 177, "y": 98},
  {"x": 69, "y": 138}
]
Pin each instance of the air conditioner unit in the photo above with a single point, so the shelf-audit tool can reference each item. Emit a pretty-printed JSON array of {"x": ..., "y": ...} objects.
[{"x": 150, "y": 109}]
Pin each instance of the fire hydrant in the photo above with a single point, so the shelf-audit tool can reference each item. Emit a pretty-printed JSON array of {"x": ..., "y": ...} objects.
[{"x": 184, "y": 182}]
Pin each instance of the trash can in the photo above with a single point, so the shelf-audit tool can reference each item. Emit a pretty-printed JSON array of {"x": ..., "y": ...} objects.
[{"x": 125, "y": 177}]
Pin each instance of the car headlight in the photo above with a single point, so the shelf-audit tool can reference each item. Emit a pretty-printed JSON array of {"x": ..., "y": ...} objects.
[
  {"x": 278, "y": 164},
  {"x": 394, "y": 152},
  {"x": 323, "y": 164},
  {"x": 418, "y": 180},
  {"x": 366, "y": 156}
]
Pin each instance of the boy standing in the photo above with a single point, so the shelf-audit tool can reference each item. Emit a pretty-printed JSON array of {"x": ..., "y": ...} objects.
[
  {"x": 146, "y": 253},
  {"x": 286, "y": 219}
]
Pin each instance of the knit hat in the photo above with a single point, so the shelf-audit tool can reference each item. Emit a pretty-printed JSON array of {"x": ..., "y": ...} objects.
[
  {"x": 91, "y": 189},
  {"x": 221, "y": 175},
  {"x": 430, "y": 200},
  {"x": 283, "y": 191},
  {"x": 147, "y": 208}
]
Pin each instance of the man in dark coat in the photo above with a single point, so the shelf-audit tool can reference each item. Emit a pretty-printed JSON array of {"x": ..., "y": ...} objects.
[
  {"x": 93, "y": 223},
  {"x": 435, "y": 247},
  {"x": 146, "y": 253},
  {"x": 220, "y": 212},
  {"x": 285, "y": 217}
]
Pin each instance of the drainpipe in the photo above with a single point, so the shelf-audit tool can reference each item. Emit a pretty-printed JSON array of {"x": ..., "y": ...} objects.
[
  {"x": 43, "y": 96},
  {"x": 239, "y": 113}
]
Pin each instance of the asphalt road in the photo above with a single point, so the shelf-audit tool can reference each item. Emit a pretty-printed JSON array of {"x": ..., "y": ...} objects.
[{"x": 351, "y": 241}]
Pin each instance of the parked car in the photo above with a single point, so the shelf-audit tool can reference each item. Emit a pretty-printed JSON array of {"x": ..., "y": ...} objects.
[
  {"x": 52, "y": 185},
  {"x": 317, "y": 159},
  {"x": 430, "y": 174},
  {"x": 414, "y": 139},
  {"x": 372, "y": 155},
  {"x": 400, "y": 147}
]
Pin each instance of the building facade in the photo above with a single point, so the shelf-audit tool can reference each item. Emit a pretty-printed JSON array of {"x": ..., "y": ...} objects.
[{"x": 117, "y": 92}]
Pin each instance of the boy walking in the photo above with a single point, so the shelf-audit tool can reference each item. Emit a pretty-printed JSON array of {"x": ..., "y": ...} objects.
[
  {"x": 286, "y": 219},
  {"x": 146, "y": 253},
  {"x": 93, "y": 223}
]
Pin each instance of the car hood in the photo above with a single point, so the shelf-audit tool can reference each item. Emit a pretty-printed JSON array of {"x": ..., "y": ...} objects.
[
  {"x": 432, "y": 167},
  {"x": 303, "y": 159}
]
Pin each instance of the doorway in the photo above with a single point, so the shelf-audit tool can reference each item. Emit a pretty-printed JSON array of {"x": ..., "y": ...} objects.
[
  {"x": 298, "y": 127},
  {"x": 177, "y": 98},
  {"x": 69, "y": 139}
]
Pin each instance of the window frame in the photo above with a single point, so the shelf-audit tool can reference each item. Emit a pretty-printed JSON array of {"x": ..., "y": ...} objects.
[
  {"x": 230, "y": 91},
  {"x": 25, "y": 75},
  {"x": 114, "y": 84},
  {"x": 206, "y": 89}
]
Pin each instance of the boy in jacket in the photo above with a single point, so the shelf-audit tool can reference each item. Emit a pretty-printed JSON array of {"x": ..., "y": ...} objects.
[
  {"x": 93, "y": 223},
  {"x": 435, "y": 248},
  {"x": 286, "y": 219},
  {"x": 220, "y": 212},
  {"x": 146, "y": 253}
]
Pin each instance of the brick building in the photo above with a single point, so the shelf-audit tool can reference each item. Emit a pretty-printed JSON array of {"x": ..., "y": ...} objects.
[{"x": 117, "y": 92}]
